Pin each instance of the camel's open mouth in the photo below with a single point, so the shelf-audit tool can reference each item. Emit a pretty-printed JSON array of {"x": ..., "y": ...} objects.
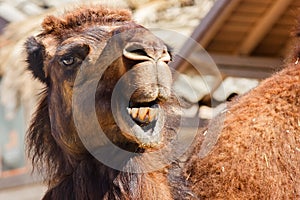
[
  {"x": 142, "y": 122},
  {"x": 143, "y": 113}
]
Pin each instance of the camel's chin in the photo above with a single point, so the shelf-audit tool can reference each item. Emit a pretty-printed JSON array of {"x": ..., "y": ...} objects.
[{"x": 145, "y": 130}]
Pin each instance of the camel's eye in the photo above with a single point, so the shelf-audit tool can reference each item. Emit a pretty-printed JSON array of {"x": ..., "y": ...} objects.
[
  {"x": 70, "y": 61},
  {"x": 72, "y": 55}
]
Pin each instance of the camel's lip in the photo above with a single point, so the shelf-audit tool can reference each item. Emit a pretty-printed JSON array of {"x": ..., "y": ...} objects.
[{"x": 142, "y": 124}]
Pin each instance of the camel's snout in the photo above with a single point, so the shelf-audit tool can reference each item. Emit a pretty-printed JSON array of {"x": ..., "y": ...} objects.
[
  {"x": 150, "y": 75},
  {"x": 146, "y": 87}
]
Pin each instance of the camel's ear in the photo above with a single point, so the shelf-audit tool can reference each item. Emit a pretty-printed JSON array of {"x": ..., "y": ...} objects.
[{"x": 35, "y": 58}]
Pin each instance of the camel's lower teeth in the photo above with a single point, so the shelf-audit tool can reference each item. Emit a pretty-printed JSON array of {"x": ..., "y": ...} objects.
[{"x": 143, "y": 114}]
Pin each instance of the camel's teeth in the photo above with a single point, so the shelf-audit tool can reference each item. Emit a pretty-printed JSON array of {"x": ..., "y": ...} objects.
[
  {"x": 129, "y": 111},
  {"x": 134, "y": 112},
  {"x": 143, "y": 113},
  {"x": 152, "y": 114}
]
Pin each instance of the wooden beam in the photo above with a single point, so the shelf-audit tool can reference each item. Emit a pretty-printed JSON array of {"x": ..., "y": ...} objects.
[
  {"x": 205, "y": 31},
  {"x": 239, "y": 66},
  {"x": 211, "y": 24},
  {"x": 263, "y": 26},
  {"x": 247, "y": 61}
]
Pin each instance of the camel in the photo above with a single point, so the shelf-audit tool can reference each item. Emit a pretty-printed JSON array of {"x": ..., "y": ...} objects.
[
  {"x": 81, "y": 57},
  {"x": 101, "y": 69},
  {"x": 252, "y": 149}
]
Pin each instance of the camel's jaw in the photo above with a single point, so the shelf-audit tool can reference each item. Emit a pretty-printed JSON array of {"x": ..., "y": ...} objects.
[{"x": 142, "y": 123}]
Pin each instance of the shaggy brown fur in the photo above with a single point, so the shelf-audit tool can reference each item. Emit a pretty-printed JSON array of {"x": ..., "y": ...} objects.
[
  {"x": 55, "y": 57},
  {"x": 82, "y": 16},
  {"x": 257, "y": 154}
]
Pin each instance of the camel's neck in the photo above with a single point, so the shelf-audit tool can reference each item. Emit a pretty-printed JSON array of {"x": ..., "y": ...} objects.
[
  {"x": 92, "y": 180},
  {"x": 132, "y": 184},
  {"x": 148, "y": 186}
]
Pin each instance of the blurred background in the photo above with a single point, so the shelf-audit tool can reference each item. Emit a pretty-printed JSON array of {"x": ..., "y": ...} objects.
[{"x": 225, "y": 48}]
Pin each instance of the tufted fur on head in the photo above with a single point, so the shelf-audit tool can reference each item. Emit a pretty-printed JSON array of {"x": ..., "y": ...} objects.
[{"x": 84, "y": 16}]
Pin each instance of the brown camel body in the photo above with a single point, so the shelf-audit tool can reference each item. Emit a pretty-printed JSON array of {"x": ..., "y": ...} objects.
[{"x": 257, "y": 153}]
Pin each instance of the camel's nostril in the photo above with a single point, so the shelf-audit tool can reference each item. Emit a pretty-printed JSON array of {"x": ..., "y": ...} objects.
[
  {"x": 139, "y": 52},
  {"x": 144, "y": 52},
  {"x": 135, "y": 51},
  {"x": 165, "y": 57}
]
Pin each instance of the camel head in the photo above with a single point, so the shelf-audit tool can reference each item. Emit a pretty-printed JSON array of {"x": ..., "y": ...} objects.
[{"x": 98, "y": 63}]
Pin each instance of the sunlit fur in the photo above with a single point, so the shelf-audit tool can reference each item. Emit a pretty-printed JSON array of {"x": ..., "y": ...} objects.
[{"x": 257, "y": 154}]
